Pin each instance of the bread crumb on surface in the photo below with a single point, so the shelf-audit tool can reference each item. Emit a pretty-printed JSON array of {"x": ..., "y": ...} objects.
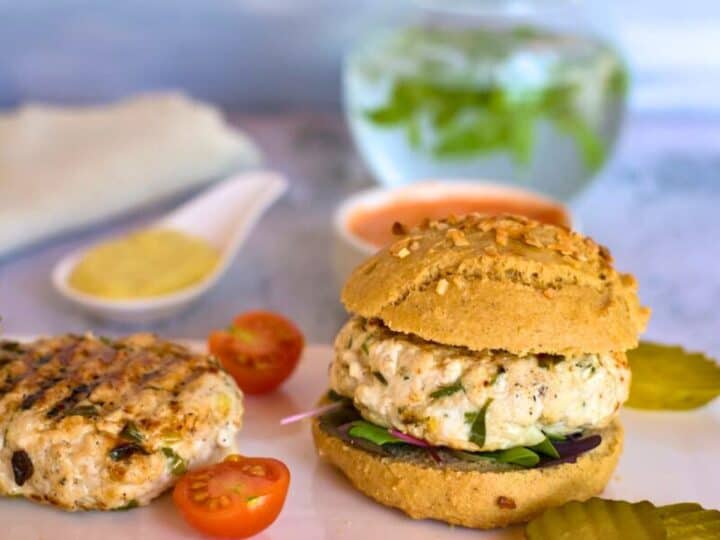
[{"x": 442, "y": 286}]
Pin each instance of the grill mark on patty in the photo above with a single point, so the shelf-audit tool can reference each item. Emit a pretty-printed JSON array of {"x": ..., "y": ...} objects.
[
  {"x": 11, "y": 347},
  {"x": 83, "y": 364},
  {"x": 6, "y": 359},
  {"x": 180, "y": 378},
  {"x": 117, "y": 380},
  {"x": 29, "y": 367},
  {"x": 77, "y": 394},
  {"x": 30, "y": 400},
  {"x": 72, "y": 368},
  {"x": 159, "y": 371},
  {"x": 46, "y": 379},
  {"x": 194, "y": 374},
  {"x": 115, "y": 376}
]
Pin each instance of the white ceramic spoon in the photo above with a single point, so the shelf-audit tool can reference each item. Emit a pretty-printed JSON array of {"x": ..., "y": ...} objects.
[{"x": 223, "y": 215}]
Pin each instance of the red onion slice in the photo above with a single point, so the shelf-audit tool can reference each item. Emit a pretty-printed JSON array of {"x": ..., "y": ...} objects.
[
  {"x": 310, "y": 413},
  {"x": 409, "y": 438},
  {"x": 416, "y": 442}
]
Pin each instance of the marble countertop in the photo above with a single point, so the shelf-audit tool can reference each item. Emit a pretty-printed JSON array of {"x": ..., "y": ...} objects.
[{"x": 656, "y": 206}]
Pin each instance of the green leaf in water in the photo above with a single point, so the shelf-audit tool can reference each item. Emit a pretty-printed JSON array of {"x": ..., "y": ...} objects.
[
  {"x": 618, "y": 82},
  {"x": 472, "y": 121}
]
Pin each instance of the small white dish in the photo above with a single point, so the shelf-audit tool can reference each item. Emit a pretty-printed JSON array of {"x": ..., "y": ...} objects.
[
  {"x": 350, "y": 250},
  {"x": 223, "y": 215}
]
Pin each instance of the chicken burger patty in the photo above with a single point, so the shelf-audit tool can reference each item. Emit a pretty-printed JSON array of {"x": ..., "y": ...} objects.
[
  {"x": 89, "y": 423},
  {"x": 435, "y": 392}
]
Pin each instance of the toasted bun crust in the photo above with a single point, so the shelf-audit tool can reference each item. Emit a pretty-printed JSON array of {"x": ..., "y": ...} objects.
[
  {"x": 500, "y": 283},
  {"x": 478, "y": 499}
]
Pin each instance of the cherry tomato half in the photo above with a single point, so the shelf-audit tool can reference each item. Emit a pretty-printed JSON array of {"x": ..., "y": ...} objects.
[
  {"x": 260, "y": 350},
  {"x": 236, "y": 498}
]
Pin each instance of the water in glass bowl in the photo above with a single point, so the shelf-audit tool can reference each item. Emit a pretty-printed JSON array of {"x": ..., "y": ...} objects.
[{"x": 520, "y": 105}]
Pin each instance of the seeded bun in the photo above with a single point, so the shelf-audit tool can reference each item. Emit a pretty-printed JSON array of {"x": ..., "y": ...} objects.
[
  {"x": 478, "y": 497},
  {"x": 500, "y": 283}
]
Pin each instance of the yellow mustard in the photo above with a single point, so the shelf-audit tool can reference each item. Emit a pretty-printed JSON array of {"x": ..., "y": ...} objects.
[{"x": 146, "y": 263}]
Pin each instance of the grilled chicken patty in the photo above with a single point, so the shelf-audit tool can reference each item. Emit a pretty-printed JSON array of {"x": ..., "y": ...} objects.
[
  {"x": 436, "y": 392},
  {"x": 89, "y": 423}
]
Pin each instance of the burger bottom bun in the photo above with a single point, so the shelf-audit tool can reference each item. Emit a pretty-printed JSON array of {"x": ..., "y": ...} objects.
[{"x": 472, "y": 498}]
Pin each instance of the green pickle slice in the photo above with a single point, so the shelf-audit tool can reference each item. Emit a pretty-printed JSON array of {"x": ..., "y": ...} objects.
[
  {"x": 690, "y": 521},
  {"x": 598, "y": 519},
  {"x": 668, "y": 377}
]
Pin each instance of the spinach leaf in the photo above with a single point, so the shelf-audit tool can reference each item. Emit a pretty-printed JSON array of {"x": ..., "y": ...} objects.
[
  {"x": 513, "y": 456},
  {"x": 472, "y": 456},
  {"x": 554, "y": 437},
  {"x": 546, "y": 447},
  {"x": 477, "y": 424},
  {"x": 376, "y": 434},
  {"x": 518, "y": 456}
]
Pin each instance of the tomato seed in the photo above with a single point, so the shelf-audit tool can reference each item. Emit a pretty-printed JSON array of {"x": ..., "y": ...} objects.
[{"x": 256, "y": 470}]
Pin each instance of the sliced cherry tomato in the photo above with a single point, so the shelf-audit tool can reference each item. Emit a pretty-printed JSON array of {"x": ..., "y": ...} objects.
[
  {"x": 236, "y": 498},
  {"x": 260, "y": 350}
]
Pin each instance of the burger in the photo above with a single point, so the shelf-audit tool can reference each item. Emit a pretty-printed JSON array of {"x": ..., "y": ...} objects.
[{"x": 479, "y": 379}]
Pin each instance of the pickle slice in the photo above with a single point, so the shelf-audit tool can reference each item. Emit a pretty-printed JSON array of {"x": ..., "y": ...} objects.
[
  {"x": 668, "y": 377},
  {"x": 690, "y": 521},
  {"x": 598, "y": 519}
]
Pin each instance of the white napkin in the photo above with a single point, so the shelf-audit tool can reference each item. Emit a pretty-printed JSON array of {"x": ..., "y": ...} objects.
[{"x": 64, "y": 167}]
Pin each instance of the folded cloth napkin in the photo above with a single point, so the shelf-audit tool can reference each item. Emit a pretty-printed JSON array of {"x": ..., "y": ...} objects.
[{"x": 65, "y": 167}]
